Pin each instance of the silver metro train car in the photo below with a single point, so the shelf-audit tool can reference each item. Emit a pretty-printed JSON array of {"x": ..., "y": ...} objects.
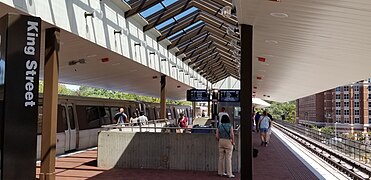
[{"x": 81, "y": 118}]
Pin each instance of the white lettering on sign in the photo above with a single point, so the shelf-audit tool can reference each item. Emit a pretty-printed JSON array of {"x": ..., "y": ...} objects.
[{"x": 31, "y": 65}]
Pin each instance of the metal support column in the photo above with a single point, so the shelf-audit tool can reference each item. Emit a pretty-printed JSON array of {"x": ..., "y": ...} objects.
[
  {"x": 246, "y": 101},
  {"x": 208, "y": 102},
  {"x": 193, "y": 111},
  {"x": 163, "y": 97},
  {"x": 50, "y": 104}
]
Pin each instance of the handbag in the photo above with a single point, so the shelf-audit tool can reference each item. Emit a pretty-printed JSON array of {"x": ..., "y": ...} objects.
[{"x": 228, "y": 136}]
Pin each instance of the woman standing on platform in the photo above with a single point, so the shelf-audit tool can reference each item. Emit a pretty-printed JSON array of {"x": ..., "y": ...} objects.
[{"x": 225, "y": 136}]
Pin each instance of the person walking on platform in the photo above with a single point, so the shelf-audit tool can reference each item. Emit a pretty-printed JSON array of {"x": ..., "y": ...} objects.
[
  {"x": 220, "y": 114},
  {"x": 257, "y": 118},
  {"x": 264, "y": 124},
  {"x": 142, "y": 119},
  {"x": 225, "y": 137},
  {"x": 121, "y": 117}
]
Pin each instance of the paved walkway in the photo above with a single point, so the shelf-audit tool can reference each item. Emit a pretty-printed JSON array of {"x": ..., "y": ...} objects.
[
  {"x": 84, "y": 166},
  {"x": 275, "y": 159},
  {"x": 277, "y": 162}
]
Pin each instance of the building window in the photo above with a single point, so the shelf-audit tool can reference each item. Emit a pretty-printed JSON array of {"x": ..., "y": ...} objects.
[
  {"x": 356, "y": 104},
  {"x": 356, "y": 96},
  {"x": 356, "y": 120},
  {"x": 356, "y": 88},
  {"x": 369, "y": 113},
  {"x": 337, "y": 112},
  {"x": 346, "y": 96},
  {"x": 346, "y": 104},
  {"x": 338, "y": 120},
  {"x": 338, "y": 89},
  {"x": 346, "y": 112},
  {"x": 369, "y": 96},
  {"x": 369, "y": 88},
  {"x": 346, "y": 120},
  {"x": 346, "y": 88},
  {"x": 356, "y": 112},
  {"x": 337, "y": 104},
  {"x": 337, "y": 96},
  {"x": 369, "y": 120},
  {"x": 369, "y": 104}
]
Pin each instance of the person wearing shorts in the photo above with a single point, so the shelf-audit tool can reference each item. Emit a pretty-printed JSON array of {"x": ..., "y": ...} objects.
[{"x": 264, "y": 124}]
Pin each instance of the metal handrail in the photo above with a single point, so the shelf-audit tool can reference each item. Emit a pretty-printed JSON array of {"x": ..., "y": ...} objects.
[{"x": 354, "y": 150}]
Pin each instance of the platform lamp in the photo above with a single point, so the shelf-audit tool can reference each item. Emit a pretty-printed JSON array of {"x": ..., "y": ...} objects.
[{"x": 96, "y": 13}]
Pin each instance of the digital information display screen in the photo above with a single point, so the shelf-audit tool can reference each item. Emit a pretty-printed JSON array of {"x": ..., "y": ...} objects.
[
  {"x": 229, "y": 95},
  {"x": 197, "y": 95}
]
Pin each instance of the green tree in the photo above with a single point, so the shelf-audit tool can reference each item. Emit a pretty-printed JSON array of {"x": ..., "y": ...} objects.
[{"x": 288, "y": 109}]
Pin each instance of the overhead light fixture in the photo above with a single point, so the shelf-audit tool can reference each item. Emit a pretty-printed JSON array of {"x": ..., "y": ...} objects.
[
  {"x": 271, "y": 41},
  {"x": 163, "y": 59},
  {"x": 226, "y": 11},
  {"x": 174, "y": 66},
  {"x": 237, "y": 52},
  {"x": 152, "y": 53},
  {"x": 235, "y": 43},
  {"x": 74, "y": 62},
  {"x": 279, "y": 15},
  {"x": 96, "y": 13},
  {"x": 232, "y": 30},
  {"x": 180, "y": 70},
  {"x": 121, "y": 31},
  {"x": 136, "y": 44}
]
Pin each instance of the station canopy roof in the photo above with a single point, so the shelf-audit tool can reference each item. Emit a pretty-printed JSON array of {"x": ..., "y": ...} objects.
[{"x": 204, "y": 39}]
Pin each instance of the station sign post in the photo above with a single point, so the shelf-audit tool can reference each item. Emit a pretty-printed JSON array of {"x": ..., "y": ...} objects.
[{"x": 19, "y": 85}]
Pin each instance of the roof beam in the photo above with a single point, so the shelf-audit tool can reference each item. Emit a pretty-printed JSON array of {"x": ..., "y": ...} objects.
[
  {"x": 189, "y": 35},
  {"x": 179, "y": 7},
  {"x": 224, "y": 3},
  {"x": 140, "y": 6},
  {"x": 190, "y": 46},
  {"x": 211, "y": 9},
  {"x": 204, "y": 56},
  {"x": 179, "y": 25}
]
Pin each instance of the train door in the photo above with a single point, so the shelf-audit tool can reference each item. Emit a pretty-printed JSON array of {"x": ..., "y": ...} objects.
[{"x": 71, "y": 130}]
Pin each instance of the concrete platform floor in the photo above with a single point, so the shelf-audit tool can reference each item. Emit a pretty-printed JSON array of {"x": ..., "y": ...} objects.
[{"x": 84, "y": 166}]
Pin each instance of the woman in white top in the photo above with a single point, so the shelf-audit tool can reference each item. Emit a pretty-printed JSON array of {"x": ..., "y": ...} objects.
[{"x": 134, "y": 119}]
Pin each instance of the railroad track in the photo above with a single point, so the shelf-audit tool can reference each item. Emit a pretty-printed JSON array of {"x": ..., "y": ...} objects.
[{"x": 351, "y": 168}]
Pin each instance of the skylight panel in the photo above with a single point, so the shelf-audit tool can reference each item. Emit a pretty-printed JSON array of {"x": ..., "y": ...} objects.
[
  {"x": 152, "y": 10},
  {"x": 185, "y": 13}
]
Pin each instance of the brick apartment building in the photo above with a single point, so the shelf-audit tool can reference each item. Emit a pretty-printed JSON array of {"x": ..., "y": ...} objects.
[{"x": 349, "y": 106}]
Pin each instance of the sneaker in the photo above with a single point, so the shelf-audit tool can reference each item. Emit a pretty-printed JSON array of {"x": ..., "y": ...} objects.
[
  {"x": 265, "y": 144},
  {"x": 224, "y": 174},
  {"x": 231, "y": 176},
  {"x": 262, "y": 143}
]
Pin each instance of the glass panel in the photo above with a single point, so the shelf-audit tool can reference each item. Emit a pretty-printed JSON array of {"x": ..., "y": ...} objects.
[
  {"x": 152, "y": 10},
  {"x": 71, "y": 117}
]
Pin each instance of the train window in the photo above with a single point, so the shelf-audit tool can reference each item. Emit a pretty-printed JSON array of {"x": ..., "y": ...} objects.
[
  {"x": 128, "y": 113},
  {"x": 71, "y": 117},
  {"x": 40, "y": 119},
  {"x": 157, "y": 113},
  {"x": 147, "y": 114},
  {"x": 169, "y": 115},
  {"x": 61, "y": 119},
  {"x": 88, "y": 117},
  {"x": 105, "y": 115},
  {"x": 237, "y": 111},
  {"x": 92, "y": 116}
]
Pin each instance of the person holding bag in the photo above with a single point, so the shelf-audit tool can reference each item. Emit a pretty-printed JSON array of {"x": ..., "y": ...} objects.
[{"x": 225, "y": 137}]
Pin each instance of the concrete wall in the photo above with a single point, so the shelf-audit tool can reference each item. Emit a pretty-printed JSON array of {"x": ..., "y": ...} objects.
[{"x": 184, "y": 151}]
